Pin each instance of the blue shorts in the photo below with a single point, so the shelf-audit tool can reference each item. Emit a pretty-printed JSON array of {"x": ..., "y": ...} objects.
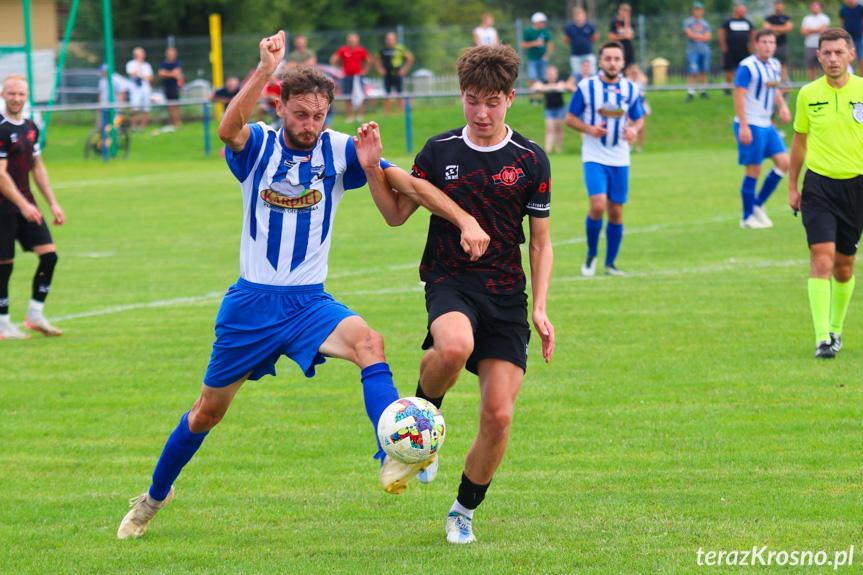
[
  {"x": 536, "y": 70},
  {"x": 766, "y": 143},
  {"x": 612, "y": 181},
  {"x": 257, "y": 324},
  {"x": 555, "y": 113},
  {"x": 698, "y": 63},
  {"x": 858, "y": 45}
]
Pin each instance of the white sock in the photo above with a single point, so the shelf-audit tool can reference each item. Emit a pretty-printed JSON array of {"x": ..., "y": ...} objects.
[
  {"x": 35, "y": 310},
  {"x": 4, "y": 319},
  {"x": 459, "y": 508}
]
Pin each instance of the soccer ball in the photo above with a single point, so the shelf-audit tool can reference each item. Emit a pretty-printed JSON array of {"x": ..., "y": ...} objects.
[{"x": 411, "y": 430}]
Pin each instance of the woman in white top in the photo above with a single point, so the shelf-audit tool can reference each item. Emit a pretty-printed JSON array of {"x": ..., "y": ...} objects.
[{"x": 485, "y": 34}]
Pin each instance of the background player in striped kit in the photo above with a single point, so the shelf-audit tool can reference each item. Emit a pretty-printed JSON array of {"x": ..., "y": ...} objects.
[
  {"x": 292, "y": 181},
  {"x": 607, "y": 109},
  {"x": 756, "y": 95}
]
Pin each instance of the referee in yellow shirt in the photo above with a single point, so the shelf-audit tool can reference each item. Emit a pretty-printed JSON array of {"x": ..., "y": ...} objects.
[{"x": 828, "y": 137}]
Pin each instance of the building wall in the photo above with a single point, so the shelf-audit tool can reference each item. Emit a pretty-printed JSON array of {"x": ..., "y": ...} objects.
[{"x": 43, "y": 23}]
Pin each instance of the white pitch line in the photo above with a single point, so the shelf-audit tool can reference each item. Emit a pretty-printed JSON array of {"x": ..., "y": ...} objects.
[{"x": 215, "y": 296}]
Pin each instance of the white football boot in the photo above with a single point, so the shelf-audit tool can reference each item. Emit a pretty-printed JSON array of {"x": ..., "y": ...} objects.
[
  {"x": 458, "y": 528},
  {"x": 395, "y": 474},
  {"x": 144, "y": 508}
]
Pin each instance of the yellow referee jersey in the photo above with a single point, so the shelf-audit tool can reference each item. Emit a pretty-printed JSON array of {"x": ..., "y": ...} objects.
[{"x": 833, "y": 119}]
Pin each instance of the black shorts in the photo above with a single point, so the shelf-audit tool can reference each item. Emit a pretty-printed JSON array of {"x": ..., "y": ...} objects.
[
  {"x": 392, "y": 84},
  {"x": 731, "y": 59},
  {"x": 172, "y": 93},
  {"x": 781, "y": 53},
  {"x": 500, "y": 328},
  {"x": 29, "y": 234},
  {"x": 832, "y": 211}
]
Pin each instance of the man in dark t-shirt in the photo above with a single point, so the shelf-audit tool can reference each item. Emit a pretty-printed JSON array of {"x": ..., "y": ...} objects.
[
  {"x": 852, "y": 20},
  {"x": 20, "y": 218},
  {"x": 781, "y": 24},
  {"x": 736, "y": 39},
  {"x": 621, "y": 30},
  {"x": 477, "y": 307},
  {"x": 171, "y": 73}
]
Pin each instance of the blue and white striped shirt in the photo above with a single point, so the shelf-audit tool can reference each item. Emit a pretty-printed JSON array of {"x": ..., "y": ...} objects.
[
  {"x": 596, "y": 103},
  {"x": 290, "y": 199},
  {"x": 761, "y": 80}
]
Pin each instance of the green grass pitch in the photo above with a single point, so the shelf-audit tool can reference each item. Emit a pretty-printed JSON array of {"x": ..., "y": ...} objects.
[{"x": 682, "y": 409}]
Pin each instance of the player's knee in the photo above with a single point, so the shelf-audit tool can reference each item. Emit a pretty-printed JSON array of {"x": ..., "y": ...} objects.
[
  {"x": 204, "y": 417},
  {"x": 454, "y": 351},
  {"x": 843, "y": 272},
  {"x": 49, "y": 259},
  {"x": 496, "y": 422},
  {"x": 370, "y": 347}
]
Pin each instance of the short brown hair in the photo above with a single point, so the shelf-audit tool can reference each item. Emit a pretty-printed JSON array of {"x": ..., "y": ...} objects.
[
  {"x": 764, "y": 32},
  {"x": 611, "y": 44},
  {"x": 488, "y": 69},
  {"x": 831, "y": 34},
  {"x": 306, "y": 80}
]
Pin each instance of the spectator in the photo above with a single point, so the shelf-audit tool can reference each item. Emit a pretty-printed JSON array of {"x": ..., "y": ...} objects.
[
  {"x": 171, "y": 73},
  {"x": 621, "y": 31},
  {"x": 574, "y": 79},
  {"x": 555, "y": 109},
  {"x": 852, "y": 21},
  {"x": 393, "y": 62},
  {"x": 355, "y": 63},
  {"x": 485, "y": 34},
  {"x": 140, "y": 73},
  {"x": 637, "y": 77},
  {"x": 272, "y": 92},
  {"x": 227, "y": 92},
  {"x": 580, "y": 35},
  {"x": 736, "y": 41},
  {"x": 811, "y": 27},
  {"x": 698, "y": 34},
  {"x": 121, "y": 86},
  {"x": 301, "y": 56},
  {"x": 781, "y": 25},
  {"x": 537, "y": 42}
]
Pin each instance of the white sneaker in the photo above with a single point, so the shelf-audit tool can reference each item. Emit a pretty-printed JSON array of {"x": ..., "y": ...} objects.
[
  {"x": 395, "y": 474},
  {"x": 428, "y": 474},
  {"x": 42, "y": 326},
  {"x": 761, "y": 215},
  {"x": 144, "y": 508},
  {"x": 753, "y": 223},
  {"x": 8, "y": 330},
  {"x": 458, "y": 528},
  {"x": 588, "y": 269}
]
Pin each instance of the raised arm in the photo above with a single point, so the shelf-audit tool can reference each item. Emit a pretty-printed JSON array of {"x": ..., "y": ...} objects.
[
  {"x": 541, "y": 260},
  {"x": 233, "y": 129},
  {"x": 8, "y": 188},
  {"x": 40, "y": 174}
]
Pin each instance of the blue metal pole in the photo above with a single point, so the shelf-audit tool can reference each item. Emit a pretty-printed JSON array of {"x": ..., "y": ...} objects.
[
  {"x": 409, "y": 132},
  {"x": 207, "y": 129}
]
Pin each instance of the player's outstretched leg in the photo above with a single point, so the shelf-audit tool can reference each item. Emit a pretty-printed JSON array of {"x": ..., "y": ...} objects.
[
  {"x": 8, "y": 330},
  {"x": 395, "y": 475},
  {"x": 144, "y": 508}
]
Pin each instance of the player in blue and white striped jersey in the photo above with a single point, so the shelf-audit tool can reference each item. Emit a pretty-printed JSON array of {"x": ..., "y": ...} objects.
[
  {"x": 756, "y": 96},
  {"x": 292, "y": 181},
  {"x": 607, "y": 108}
]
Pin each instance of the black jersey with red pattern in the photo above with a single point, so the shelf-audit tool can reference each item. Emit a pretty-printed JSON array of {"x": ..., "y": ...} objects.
[
  {"x": 498, "y": 186},
  {"x": 19, "y": 146}
]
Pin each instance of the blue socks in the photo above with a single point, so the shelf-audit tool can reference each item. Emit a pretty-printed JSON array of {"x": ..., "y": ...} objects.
[
  {"x": 613, "y": 235},
  {"x": 181, "y": 446},
  {"x": 747, "y": 192},
  {"x": 770, "y": 183},
  {"x": 594, "y": 227},
  {"x": 378, "y": 392}
]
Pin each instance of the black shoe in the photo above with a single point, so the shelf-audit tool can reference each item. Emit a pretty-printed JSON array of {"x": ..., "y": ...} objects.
[
  {"x": 824, "y": 351},
  {"x": 690, "y": 97},
  {"x": 835, "y": 342},
  {"x": 727, "y": 92},
  {"x": 704, "y": 96}
]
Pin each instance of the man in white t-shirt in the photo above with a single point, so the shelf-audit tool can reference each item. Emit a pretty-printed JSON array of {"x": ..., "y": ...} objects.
[
  {"x": 811, "y": 27},
  {"x": 140, "y": 75}
]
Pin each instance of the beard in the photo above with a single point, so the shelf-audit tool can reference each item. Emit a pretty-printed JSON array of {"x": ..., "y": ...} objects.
[
  {"x": 610, "y": 76},
  {"x": 295, "y": 143}
]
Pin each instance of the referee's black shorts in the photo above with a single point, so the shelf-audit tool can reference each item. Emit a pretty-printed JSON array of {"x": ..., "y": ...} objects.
[
  {"x": 14, "y": 226},
  {"x": 832, "y": 211},
  {"x": 500, "y": 328}
]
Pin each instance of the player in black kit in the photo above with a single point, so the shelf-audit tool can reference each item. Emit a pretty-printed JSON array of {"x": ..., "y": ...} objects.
[
  {"x": 477, "y": 309},
  {"x": 19, "y": 217}
]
